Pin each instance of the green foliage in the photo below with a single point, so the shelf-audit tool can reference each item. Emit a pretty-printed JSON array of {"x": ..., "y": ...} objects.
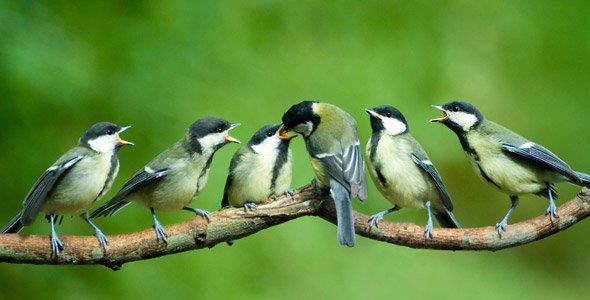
[{"x": 161, "y": 65}]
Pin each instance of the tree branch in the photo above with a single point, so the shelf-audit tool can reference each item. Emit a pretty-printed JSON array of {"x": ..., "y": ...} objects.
[{"x": 235, "y": 223}]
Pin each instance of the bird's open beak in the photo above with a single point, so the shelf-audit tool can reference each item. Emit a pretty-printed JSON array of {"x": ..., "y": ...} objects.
[
  {"x": 372, "y": 113},
  {"x": 284, "y": 134},
  {"x": 121, "y": 142},
  {"x": 229, "y": 138},
  {"x": 445, "y": 114}
]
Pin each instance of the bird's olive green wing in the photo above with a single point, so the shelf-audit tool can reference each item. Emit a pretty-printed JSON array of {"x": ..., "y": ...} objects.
[
  {"x": 45, "y": 184},
  {"x": 536, "y": 153},
  {"x": 141, "y": 179},
  {"x": 426, "y": 165}
]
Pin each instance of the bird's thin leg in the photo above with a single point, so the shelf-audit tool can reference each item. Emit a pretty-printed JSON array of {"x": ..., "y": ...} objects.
[
  {"x": 56, "y": 243},
  {"x": 102, "y": 239},
  {"x": 500, "y": 227},
  {"x": 428, "y": 230},
  {"x": 248, "y": 206},
  {"x": 199, "y": 212},
  {"x": 61, "y": 219},
  {"x": 552, "y": 208},
  {"x": 376, "y": 218},
  {"x": 160, "y": 232}
]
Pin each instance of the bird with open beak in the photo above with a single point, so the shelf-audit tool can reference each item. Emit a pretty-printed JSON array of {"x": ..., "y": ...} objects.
[
  {"x": 506, "y": 160},
  {"x": 260, "y": 169},
  {"x": 175, "y": 177},
  {"x": 73, "y": 184}
]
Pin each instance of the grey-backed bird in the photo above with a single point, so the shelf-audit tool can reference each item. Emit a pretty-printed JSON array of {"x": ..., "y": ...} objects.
[
  {"x": 175, "y": 177},
  {"x": 507, "y": 160},
  {"x": 332, "y": 141},
  {"x": 75, "y": 182},
  {"x": 259, "y": 170},
  {"x": 402, "y": 171}
]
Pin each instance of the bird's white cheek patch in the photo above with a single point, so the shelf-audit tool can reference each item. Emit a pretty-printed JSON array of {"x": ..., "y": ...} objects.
[
  {"x": 394, "y": 126},
  {"x": 211, "y": 140},
  {"x": 305, "y": 129},
  {"x": 105, "y": 143},
  {"x": 465, "y": 120},
  {"x": 268, "y": 145}
]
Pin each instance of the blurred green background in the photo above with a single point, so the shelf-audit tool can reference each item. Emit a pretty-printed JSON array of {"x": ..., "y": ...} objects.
[{"x": 161, "y": 65}]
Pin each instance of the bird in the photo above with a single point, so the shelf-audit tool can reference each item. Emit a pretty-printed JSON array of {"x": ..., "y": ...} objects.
[
  {"x": 260, "y": 169},
  {"x": 173, "y": 179},
  {"x": 402, "y": 171},
  {"x": 74, "y": 183},
  {"x": 331, "y": 139},
  {"x": 506, "y": 160}
]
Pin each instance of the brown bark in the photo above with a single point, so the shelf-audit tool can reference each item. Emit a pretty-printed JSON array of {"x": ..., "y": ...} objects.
[{"x": 233, "y": 224}]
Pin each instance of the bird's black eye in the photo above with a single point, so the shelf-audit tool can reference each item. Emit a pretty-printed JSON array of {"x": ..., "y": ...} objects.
[
  {"x": 389, "y": 115},
  {"x": 455, "y": 108},
  {"x": 269, "y": 133},
  {"x": 110, "y": 131},
  {"x": 219, "y": 129}
]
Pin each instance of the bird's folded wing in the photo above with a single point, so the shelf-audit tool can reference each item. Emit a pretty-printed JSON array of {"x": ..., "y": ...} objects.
[
  {"x": 44, "y": 185},
  {"x": 429, "y": 168},
  {"x": 140, "y": 179},
  {"x": 354, "y": 171},
  {"x": 536, "y": 153}
]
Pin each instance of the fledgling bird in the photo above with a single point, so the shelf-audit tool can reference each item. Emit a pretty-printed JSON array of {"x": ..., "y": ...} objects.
[
  {"x": 175, "y": 177},
  {"x": 74, "y": 182},
  {"x": 402, "y": 171},
  {"x": 332, "y": 141},
  {"x": 260, "y": 169},
  {"x": 507, "y": 160}
]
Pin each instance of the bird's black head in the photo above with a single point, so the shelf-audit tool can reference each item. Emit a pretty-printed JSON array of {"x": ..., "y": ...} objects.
[
  {"x": 104, "y": 137},
  {"x": 269, "y": 138},
  {"x": 387, "y": 119},
  {"x": 459, "y": 116},
  {"x": 301, "y": 118},
  {"x": 210, "y": 133}
]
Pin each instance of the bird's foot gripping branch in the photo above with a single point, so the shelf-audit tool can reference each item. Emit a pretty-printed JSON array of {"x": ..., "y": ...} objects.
[{"x": 235, "y": 223}]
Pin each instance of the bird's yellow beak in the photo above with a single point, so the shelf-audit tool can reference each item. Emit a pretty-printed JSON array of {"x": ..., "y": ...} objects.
[
  {"x": 229, "y": 138},
  {"x": 121, "y": 142},
  {"x": 284, "y": 134},
  {"x": 445, "y": 115}
]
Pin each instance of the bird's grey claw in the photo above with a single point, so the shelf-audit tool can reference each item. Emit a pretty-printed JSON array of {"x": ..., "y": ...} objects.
[
  {"x": 375, "y": 219},
  {"x": 501, "y": 227},
  {"x": 249, "y": 206},
  {"x": 102, "y": 239},
  {"x": 552, "y": 212},
  {"x": 204, "y": 213},
  {"x": 428, "y": 231},
  {"x": 161, "y": 233},
  {"x": 56, "y": 244},
  {"x": 290, "y": 192}
]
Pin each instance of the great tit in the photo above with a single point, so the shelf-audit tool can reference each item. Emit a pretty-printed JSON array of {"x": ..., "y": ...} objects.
[
  {"x": 402, "y": 171},
  {"x": 506, "y": 160},
  {"x": 74, "y": 182},
  {"x": 332, "y": 142},
  {"x": 175, "y": 177},
  {"x": 259, "y": 169}
]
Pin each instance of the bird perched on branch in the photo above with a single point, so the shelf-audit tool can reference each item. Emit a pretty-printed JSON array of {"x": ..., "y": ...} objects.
[
  {"x": 402, "y": 171},
  {"x": 507, "y": 160},
  {"x": 259, "y": 169},
  {"x": 175, "y": 177},
  {"x": 332, "y": 142},
  {"x": 74, "y": 182}
]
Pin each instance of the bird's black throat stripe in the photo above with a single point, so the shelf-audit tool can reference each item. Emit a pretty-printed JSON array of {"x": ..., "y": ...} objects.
[{"x": 281, "y": 160}]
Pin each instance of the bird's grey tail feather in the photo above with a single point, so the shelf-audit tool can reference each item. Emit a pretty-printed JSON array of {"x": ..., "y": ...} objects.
[
  {"x": 108, "y": 209},
  {"x": 14, "y": 225},
  {"x": 585, "y": 179},
  {"x": 446, "y": 219},
  {"x": 344, "y": 215}
]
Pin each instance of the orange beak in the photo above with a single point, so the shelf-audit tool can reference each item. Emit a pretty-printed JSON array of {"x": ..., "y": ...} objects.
[
  {"x": 445, "y": 115},
  {"x": 122, "y": 142},
  {"x": 284, "y": 134},
  {"x": 231, "y": 139}
]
